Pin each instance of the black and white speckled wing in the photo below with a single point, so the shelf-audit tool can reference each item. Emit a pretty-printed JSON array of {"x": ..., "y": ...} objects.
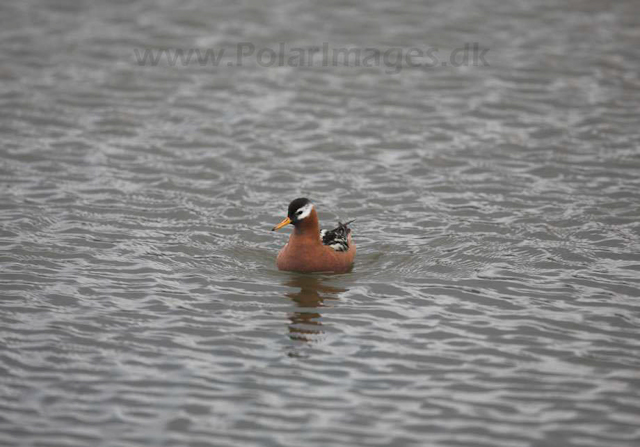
[{"x": 338, "y": 237}]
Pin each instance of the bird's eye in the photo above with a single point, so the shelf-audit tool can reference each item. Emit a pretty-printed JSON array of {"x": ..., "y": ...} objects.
[{"x": 299, "y": 212}]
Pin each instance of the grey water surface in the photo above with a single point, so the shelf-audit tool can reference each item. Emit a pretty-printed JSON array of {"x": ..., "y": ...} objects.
[{"x": 495, "y": 298}]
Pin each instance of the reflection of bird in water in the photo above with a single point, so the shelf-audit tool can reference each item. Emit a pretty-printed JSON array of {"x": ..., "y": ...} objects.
[{"x": 305, "y": 323}]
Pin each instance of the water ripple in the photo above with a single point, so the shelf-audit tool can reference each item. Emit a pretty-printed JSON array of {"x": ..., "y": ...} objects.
[{"x": 494, "y": 299}]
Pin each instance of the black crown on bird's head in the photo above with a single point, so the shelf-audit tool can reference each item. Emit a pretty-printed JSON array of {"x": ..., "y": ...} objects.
[
  {"x": 296, "y": 204},
  {"x": 299, "y": 209}
]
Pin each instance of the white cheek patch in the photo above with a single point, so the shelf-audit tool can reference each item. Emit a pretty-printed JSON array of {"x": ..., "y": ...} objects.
[{"x": 306, "y": 210}]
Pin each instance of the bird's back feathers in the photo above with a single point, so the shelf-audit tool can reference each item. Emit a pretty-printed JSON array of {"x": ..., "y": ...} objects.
[{"x": 338, "y": 238}]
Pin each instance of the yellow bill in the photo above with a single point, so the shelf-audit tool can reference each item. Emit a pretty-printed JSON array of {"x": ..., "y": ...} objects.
[{"x": 286, "y": 221}]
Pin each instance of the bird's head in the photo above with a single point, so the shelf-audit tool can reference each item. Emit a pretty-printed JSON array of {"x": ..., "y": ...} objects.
[{"x": 299, "y": 210}]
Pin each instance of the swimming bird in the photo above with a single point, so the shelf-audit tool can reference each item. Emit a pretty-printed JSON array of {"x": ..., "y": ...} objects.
[{"x": 311, "y": 250}]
